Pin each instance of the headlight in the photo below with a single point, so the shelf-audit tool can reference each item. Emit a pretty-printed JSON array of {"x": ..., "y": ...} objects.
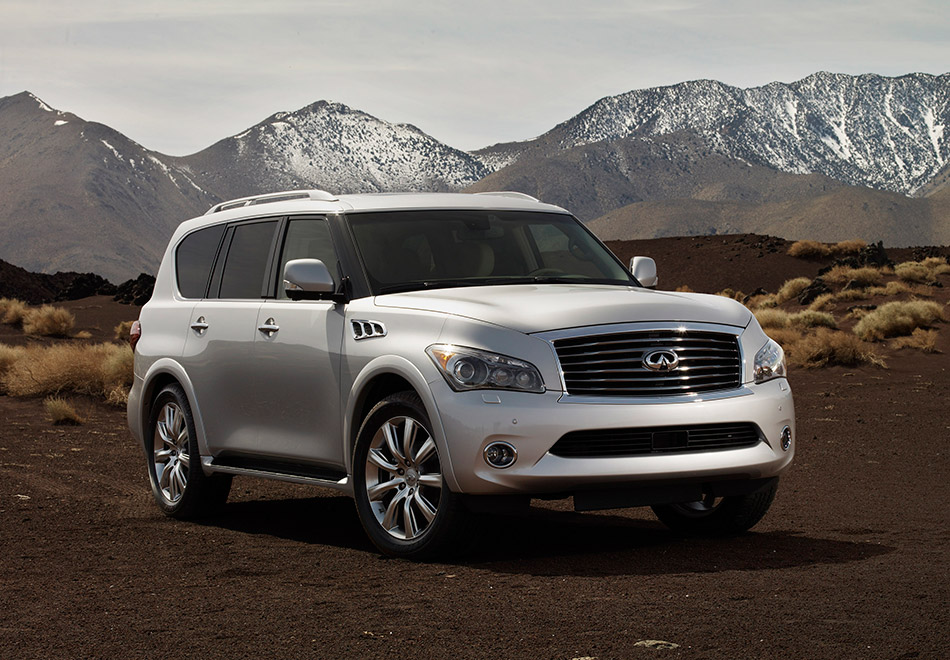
[
  {"x": 471, "y": 369},
  {"x": 769, "y": 362}
]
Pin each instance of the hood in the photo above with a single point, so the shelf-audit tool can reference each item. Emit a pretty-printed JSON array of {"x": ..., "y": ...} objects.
[{"x": 542, "y": 307}]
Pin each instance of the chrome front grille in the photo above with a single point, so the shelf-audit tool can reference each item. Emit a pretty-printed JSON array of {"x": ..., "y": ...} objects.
[{"x": 613, "y": 364}]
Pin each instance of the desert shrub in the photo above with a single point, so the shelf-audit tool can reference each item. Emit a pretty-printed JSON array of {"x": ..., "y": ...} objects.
[
  {"x": 922, "y": 272},
  {"x": 898, "y": 318},
  {"x": 62, "y": 412},
  {"x": 923, "y": 340},
  {"x": 809, "y": 318},
  {"x": 96, "y": 369},
  {"x": 893, "y": 288},
  {"x": 808, "y": 249},
  {"x": 827, "y": 348},
  {"x": 12, "y": 311},
  {"x": 842, "y": 248},
  {"x": 685, "y": 288},
  {"x": 9, "y": 356},
  {"x": 862, "y": 277},
  {"x": 791, "y": 289},
  {"x": 83, "y": 334},
  {"x": 762, "y": 301},
  {"x": 786, "y": 337},
  {"x": 49, "y": 321},
  {"x": 731, "y": 293},
  {"x": 823, "y": 301},
  {"x": 850, "y": 295},
  {"x": 772, "y": 318},
  {"x": 122, "y": 330}
]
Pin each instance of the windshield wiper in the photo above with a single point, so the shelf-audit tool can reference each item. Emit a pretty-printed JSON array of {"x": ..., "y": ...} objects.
[{"x": 419, "y": 286}]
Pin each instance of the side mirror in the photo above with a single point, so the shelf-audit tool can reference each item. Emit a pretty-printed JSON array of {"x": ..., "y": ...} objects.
[
  {"x": 644, "y": 269},
  {"x": 307, "y": 279}
]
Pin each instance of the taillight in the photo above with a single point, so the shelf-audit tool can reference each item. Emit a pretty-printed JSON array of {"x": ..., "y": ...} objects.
[{"x": 135, "y": 332}]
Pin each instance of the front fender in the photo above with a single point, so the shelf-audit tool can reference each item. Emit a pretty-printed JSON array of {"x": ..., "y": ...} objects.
[{"x": 399, "y": 366}]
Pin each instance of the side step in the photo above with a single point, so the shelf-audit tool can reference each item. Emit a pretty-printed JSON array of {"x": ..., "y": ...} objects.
[{"x": 301, "y": 473}]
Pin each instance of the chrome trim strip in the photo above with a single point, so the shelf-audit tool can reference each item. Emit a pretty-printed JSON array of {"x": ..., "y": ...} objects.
[{"x": 206, "y": 463}]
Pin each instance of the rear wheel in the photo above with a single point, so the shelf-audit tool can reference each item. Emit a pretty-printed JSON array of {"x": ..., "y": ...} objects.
[
  {"x": 179, "y": 485},
  {"x": 717, "y": 516},
  {"x": 402, "y": 498}
]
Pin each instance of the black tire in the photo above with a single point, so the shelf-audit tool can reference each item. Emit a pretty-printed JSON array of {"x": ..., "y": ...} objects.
[
  {"x": 404, "y": 492},
  {"x": 720, "y": 516},
  {"x": 179, "y": 485}
]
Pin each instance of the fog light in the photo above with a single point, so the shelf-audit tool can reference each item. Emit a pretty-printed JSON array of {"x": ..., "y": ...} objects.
[
  {"x": 786, "y": 438},
  {"x": 500, "y": 455}
]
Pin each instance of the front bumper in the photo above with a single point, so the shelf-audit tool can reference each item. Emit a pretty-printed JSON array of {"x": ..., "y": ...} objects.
[{"x": 532, "y": 423}]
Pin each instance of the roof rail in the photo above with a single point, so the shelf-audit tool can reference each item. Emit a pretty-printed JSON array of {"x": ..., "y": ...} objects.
[
  {"x": 316, "y": 195},
  {"x": 510, "y": 193}
]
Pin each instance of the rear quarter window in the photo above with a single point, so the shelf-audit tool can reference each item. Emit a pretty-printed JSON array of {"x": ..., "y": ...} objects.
[{"x": 194, "y": 259}]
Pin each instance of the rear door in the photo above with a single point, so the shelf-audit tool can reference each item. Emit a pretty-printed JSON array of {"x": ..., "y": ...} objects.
[{"x": 221, "y": 336}]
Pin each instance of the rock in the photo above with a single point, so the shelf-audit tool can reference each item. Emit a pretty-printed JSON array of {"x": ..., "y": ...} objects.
[
  {"x": 812, "y": 291},
  {"x": 85, "y": 285},
  {"x": 656, "y": 644},
  {"x": 135, "y": 292},
  {"x": 874, "y": 255},
  {"x": 758, "y": 292}
]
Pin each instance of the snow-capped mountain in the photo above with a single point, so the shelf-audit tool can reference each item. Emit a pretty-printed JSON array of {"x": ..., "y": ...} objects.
[
  {"x": 869, "y": 130},
  {"x": 329, "y": 145}
]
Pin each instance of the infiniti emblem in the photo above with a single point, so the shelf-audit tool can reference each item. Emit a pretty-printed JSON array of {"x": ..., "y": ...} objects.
[{"x": 664, "y": 359}]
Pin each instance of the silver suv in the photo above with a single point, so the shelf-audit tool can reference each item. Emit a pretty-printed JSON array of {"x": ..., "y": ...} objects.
[{"x": 437, "y": 354}]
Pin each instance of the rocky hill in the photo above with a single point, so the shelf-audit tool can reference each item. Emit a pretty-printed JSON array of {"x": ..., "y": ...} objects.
[
  {"x": 333, "y": 147},
  {"x": 869, "y": 130}
]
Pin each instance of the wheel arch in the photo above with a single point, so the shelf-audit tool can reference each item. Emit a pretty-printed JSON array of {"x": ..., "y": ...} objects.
[
  {"x": 162, "y": 373},
  {"x": 380, "y": 378}
]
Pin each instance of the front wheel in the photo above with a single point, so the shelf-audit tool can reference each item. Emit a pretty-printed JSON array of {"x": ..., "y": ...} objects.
[
  {"x": 717, "y": 516},
  {"x": 402, "y": 498}
]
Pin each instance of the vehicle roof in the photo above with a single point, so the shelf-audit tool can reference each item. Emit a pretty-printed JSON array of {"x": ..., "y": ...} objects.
[{"x": 318, "y": 201}]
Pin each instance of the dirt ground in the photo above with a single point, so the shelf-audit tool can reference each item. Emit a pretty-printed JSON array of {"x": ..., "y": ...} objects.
[{"x": 852, "y": 561}]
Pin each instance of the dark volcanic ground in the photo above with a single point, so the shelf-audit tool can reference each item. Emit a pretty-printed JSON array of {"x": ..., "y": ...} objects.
[{"x": 853, "y": 560}]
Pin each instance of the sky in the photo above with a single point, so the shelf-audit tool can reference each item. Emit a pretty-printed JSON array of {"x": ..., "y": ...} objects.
[{"x": 178, "y": 75}]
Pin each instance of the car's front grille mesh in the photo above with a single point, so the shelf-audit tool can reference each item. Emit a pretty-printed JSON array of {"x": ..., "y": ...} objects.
[
  {"x": 656, "y": 440},
  {"x": 612, "y": 364}
]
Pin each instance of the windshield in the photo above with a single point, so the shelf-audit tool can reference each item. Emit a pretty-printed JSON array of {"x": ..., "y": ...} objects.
[{"x": 408, "y": 250}]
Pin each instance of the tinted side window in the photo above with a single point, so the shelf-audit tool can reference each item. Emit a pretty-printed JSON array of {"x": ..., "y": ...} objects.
[
  {"x": 246, "y": 264},
  {"x": 307, "y": 239},
  {"x": 194, "y": 259}
]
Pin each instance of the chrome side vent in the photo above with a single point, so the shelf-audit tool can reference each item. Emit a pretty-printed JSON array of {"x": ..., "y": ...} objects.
[{"x": 367, "y": 329}]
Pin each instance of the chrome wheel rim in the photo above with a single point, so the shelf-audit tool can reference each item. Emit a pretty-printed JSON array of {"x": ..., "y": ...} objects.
[
  {"x": 403, "y": 478},
  {"x": 170, "y": 451},
  {"x": 699, "y": 508}
]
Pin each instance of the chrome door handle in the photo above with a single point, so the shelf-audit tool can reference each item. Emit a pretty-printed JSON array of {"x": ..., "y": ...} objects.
[
  {"x": 199, "y": 325},
  {"x": 269, "y": 328}
]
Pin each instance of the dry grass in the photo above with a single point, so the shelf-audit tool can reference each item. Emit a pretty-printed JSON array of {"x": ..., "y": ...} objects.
[
  {"x": 125, "y": 327},
  {"x": 827, "y": 348},
  {"x": 103, "y": 370},
  {"x": 922, "y": 272},
  {"x": 12, "y": 311},
  {"x": 731, "y": 293},
  {"x": 807, "y": 249},
  {"x": 83, "y": 334},
  {"x": 843, "y": 248},
  {"x": 49, "y": 321},
  {"x": 685, "y": 288},
  {"x": 809, "y": 318},
  {"x": 62, "y": 412},
  {"x": 922, "y": 340},
  {"x": 9, "y": 355},
  {"x": 762, "y": 301},
  {"x": 770, "y": 317},
  {"x": 893, "y": 288},
  {"x": 786, "y": 337},
  {"x": 898, "y": 318},
  {"x": 850, "y": 295},
  {"x": 863, "y": 277},
  {"x": 791, "y": 289},
  {"x": 823, "y": 301}
]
